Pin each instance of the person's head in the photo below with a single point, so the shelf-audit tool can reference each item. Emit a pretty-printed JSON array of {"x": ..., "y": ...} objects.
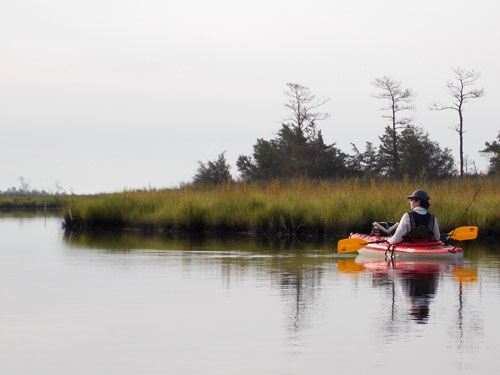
[{"x": 419, "y": 198}]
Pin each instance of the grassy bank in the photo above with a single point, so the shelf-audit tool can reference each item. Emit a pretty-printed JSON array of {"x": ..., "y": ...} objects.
[
  {"x": 305, "y": 207},
  {"x": 32, "y": 202}
]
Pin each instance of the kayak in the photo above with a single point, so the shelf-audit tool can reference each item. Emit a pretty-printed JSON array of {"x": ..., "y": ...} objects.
[
  {"x": 378, "y": 266},
  {"x": 407, "y": 267},
  {"x": 406, "y": 250}
]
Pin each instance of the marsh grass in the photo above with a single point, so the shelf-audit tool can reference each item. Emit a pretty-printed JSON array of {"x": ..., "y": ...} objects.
[
  {"x": 10, "y": 202},
  {"x": 298, "y": 207}
]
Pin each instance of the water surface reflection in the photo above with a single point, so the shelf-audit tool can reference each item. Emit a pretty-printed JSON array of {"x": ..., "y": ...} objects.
[
  {"x": 413, "y": 287},
  {"x": 297, "y": 270},
  {"x": 293, "y": 268},
  {"x": 129, "y": 304}
]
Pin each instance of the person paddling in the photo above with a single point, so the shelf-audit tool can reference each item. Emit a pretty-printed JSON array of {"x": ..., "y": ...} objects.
[{"x": 417, "y": 225}]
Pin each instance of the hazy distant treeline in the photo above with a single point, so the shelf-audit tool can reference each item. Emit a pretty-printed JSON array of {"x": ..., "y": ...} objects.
[
  {"x": 25, "y": 188},
  {"x": 25, "y": 197}
]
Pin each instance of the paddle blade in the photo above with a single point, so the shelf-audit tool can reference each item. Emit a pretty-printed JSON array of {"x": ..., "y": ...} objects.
[
  {"x": 350, "y": 245},
  {"x": 349, "y": 266},
  {"x": 465, "y": 275},
  {"x": 464, "y": 233}
]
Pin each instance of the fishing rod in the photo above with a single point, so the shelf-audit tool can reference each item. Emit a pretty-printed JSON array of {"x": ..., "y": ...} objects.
[{"x": 468, "y": 206}]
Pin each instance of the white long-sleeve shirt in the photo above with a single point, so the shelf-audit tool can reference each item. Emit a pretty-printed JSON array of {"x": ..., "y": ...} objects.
[{"x": 405, "y": 226}]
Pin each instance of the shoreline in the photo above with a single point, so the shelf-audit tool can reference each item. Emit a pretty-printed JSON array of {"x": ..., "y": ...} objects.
[{"x": 305, "y": 208}]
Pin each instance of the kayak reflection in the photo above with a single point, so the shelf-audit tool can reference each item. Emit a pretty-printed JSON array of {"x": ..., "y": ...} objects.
[{"x": 416, "y": 281}]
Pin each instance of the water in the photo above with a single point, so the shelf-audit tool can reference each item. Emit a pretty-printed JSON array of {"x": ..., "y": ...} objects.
[{"x": 113, "y": 304}]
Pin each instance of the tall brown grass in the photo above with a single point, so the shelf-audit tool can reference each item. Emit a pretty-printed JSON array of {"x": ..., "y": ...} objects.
[{"x": 302, "y": 206}]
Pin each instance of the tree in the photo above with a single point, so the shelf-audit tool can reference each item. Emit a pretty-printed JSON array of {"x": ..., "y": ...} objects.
[
  {"x": 370, "y": 159},
  {"x": 299, "y": 149},
  {"x": 366, "y": 162},
  {"x": 418, "y": 155},
  {"x": 303, "y": 106},
  {"x": 292, "y": 154},
  {"x": 398, "y": 99},
  {"x": 387, "y": 154},
  {"x": 493, "y": 151},
  {"x": 462, "y": 90},
  {"x": 213, "y": 172},
  {"x": 422, "y": 157},
  {"x": 24, "y": 185}
]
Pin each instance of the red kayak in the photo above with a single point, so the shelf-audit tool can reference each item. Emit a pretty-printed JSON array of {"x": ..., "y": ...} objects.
[{"x": 425, "y": 250}]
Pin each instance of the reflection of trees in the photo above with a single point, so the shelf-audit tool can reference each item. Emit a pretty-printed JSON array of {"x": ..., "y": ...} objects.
[
  {"x": 113, "y": 241},
  {"x": 297, "y": 277},
  {"x": 297, "y": 272},
  {"x": 299, "y": 287},
  {"x": 294, "y": 268}
]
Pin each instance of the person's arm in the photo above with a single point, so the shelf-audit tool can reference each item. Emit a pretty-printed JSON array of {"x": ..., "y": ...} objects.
[
  {"x": 436, "y": 234},
  {"x": 401, "y": 231}
]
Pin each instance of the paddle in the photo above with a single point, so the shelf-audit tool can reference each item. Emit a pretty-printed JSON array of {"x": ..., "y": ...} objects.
[
  {"x": 350, "y": 245},
  {"x": 464, "y": 233},
  {"x": 465, "y": 275},
  {"x": 349, "y": 266}
]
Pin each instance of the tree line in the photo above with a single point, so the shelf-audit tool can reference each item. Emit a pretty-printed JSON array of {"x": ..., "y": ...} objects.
[
  {"x": 299, "y": 149},
  {"x": 25, "y": 188}
]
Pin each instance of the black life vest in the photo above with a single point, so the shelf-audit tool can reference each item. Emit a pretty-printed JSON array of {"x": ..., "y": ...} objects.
[{"x": 421, "y": 227}]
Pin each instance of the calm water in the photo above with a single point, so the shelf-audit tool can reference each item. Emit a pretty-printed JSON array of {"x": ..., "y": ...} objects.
[{"x": 125, "y": 305}]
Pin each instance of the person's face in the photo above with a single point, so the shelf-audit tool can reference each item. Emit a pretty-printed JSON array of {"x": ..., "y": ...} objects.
[{"x": 414, "y": 203}]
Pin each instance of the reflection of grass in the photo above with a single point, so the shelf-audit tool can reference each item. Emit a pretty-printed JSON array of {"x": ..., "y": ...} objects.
[
  {"x": 118, "y": 241},
  {"x": 298, "y": 207},
  {"x": 23, "y": 213}
]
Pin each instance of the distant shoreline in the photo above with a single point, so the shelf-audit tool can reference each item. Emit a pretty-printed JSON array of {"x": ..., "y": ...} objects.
[{"x": 32, "y": 202}]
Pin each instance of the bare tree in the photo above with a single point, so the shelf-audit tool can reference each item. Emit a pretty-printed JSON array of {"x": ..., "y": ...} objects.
[
  {"x": 24, "y": 185},
  {"x": 398, "y": 99},
  {"x": 303, "y": 105},
  {"x": 461, "y": 89}
]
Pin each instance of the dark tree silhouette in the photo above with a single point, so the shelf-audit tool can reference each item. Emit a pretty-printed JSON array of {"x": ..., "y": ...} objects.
[
  {"x": 213, "y": 172},
  {"x": 492, "y": 150},
  {"x": 420, "y": 156},
  {"x": 292, "y": 155},
  {"x": 364, "y": 163}
]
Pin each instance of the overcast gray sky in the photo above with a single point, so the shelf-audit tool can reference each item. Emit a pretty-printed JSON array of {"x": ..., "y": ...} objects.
[{"x": 103, "y": 95}]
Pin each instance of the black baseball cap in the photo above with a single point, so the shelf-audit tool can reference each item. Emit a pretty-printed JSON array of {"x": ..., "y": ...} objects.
[{"x": 420, "y": 195}]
